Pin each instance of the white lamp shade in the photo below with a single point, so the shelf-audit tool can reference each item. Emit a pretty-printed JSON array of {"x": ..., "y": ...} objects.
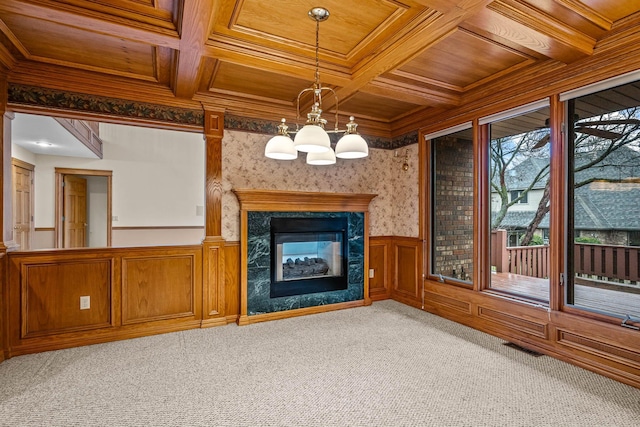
[
  {"x": 280, "y": 147},
  {"x": 321, "y": 159},
  {"x": 312, "y": 139},
  {"x": 352, "y": 146}
]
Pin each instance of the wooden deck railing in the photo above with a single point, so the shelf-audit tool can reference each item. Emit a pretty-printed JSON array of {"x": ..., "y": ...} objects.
[
  {"x": 530, "y": 261},
  {"x": 601, "y": 262},
  {"x": 607, "y": 262}
]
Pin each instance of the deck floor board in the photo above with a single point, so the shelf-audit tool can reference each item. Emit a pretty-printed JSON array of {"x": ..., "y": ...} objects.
[{"x": 612, "y": 301}]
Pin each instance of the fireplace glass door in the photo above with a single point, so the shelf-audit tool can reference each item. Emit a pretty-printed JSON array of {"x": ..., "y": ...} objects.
[{"x": 308, "y": 255}]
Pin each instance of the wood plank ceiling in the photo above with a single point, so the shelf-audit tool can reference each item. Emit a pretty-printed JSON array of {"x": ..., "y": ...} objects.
[{"x": 388, "y": 60}]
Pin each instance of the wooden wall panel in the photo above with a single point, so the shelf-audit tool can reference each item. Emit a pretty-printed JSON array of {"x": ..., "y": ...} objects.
[
  {"x": 535, "y": 328},
  {"x": 157, "y": 288},
  {"x": 406, "y": 277},
  {"x": 133, "y": 292},
  {"x": 604, "y": 348},
  {"x": 232, "y": 280},
  {"x": 406, "y": 270},
  {"x": 51, "y": 297},
  {"x": 4, "y": 352},
  {"x": 379, "y": 252}
]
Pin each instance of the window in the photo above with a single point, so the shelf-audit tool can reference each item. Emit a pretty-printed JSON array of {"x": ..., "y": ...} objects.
[
  {"x": 519, "y": 196},
  {"x": 603, "y": 199},
  {"x": 452, "y": 206},
  {"x": 519, "y": 156}
]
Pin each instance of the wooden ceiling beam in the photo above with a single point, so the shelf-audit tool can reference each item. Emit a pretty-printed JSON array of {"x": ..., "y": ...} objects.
[
  {"x": 431, "y": 27},
  {"x": 195, "y": 27},
  {"x": 274, "y": 61},
  {"x": 87, "y": 82},
  {"x": 520, "y": 24},
  {"x": 410, "y": 92},
  {"x": 523, "y": 13},
  {"x": 6, "y": 58},
  {"x": 136, "y": 31},
  {"x": 587, "y": 13}
]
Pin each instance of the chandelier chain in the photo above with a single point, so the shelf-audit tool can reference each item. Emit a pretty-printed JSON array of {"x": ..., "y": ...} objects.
[{"x": 317, "y": 54}]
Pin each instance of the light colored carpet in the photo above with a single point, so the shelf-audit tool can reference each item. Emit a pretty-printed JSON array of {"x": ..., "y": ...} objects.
[{"x": 384, "y": 365}]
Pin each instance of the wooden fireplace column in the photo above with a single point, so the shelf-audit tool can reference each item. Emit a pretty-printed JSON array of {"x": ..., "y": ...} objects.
[{"x": 213, "y": 304}]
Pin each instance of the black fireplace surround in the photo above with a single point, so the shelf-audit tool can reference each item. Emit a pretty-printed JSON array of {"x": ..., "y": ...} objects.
[{"x": 298, "y": 230}]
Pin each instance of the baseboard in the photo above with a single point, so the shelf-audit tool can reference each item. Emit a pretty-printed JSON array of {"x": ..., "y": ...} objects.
[{"x": 247, "y": 320}]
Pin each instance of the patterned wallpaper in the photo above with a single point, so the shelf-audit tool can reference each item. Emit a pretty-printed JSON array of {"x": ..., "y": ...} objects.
[{"x": 394, "y": 212}]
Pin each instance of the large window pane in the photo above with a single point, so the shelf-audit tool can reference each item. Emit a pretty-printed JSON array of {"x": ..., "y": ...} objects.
[
  {"x": 519, "y": 183},
  {"x": 452, "y": 206},
  {"x": 604, "y": 201}
]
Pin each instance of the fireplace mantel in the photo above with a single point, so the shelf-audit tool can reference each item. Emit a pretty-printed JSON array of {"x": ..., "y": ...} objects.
[
  {"x": 303, "y": 201},
  {"x": 278, "y": 203}
]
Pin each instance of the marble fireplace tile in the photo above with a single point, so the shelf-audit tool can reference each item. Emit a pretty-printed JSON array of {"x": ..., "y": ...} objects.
[{"x": 258, "y": 264}]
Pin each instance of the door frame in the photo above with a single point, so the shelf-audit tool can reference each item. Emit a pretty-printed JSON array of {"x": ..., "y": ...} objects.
[{"x": 59, "y": 174}]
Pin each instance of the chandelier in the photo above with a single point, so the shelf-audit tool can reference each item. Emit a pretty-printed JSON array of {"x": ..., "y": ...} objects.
[{"x": 313, "y": 139}]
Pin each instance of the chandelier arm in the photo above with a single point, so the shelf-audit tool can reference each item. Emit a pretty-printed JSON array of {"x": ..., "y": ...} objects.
[{"x": 298, "y": 106}]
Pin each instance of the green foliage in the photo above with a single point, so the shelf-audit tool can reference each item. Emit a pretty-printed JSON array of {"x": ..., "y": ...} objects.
[
  {"x": 587, "y": 239},
  {"x": 535, "y": 241}
]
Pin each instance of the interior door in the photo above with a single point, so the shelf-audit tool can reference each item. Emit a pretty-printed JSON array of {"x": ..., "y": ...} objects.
[
  {"x": 75, "y": 212},
  {"x": 22, "y": 204}
]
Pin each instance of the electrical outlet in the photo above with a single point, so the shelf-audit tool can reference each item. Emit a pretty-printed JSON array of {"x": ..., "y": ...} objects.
[
  {"x": 114, "y": 218},
  {"x": 371, "y": 273},
  {"x": 85, "y": 302}
]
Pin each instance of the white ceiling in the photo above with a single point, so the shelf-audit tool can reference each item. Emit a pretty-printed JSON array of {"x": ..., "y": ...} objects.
[{"x": 27, "y": 130}]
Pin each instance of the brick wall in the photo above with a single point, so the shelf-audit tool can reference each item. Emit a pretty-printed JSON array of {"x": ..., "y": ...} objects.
[{"x": 453, "y": 207}]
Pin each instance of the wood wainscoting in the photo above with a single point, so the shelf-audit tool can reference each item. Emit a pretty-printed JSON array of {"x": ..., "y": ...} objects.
[
  {"x": 572, "y": 336},
  {"x": 380, "y": 267},
  {"x": 397, "y": 269},
  {"x": 131, "y": 292},
  {"x": 605, "y": 348}
]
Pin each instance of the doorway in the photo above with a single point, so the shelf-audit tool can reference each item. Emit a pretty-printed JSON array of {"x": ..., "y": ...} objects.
[
  {"x": 83, "y": 208},
  {"x": 22, "y": 178}
]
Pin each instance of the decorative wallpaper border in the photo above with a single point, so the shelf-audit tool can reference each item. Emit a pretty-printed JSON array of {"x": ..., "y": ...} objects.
[
  {"x": 50, "y": 98},
  {"x": 63, "y": 100}
]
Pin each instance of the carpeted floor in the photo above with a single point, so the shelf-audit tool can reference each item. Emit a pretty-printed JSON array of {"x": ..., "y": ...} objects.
[{"x": 384, "y": 365}]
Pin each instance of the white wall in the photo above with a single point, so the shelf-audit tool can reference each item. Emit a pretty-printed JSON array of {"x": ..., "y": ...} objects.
[
  {"x": 97, "y": 207},
  {"x": 22, "y": 154},
  {"x": 158, "y": 177}
]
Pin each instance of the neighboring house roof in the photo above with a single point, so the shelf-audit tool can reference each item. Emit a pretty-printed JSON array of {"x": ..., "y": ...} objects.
[
  {"x": 519, "y": 177},
  {"x": 599, "y": 205},
  {"x": 620, "y": 164},
  {"x": 520, "y": 219}
]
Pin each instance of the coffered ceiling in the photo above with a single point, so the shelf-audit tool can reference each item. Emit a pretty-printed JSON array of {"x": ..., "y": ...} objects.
[{"x": 387, "y": 60}]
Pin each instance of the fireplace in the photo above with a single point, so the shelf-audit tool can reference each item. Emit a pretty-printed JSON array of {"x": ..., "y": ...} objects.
[
  {"x": 308, "y": 255},
  {"x": 328, "y": 229}
]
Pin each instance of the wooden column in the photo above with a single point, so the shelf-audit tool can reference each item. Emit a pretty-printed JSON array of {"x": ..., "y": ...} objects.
[
  {"x": 5, "y": 212},
  {"x": 213, "y": 276},
  {"x": 557, "y": 230}
]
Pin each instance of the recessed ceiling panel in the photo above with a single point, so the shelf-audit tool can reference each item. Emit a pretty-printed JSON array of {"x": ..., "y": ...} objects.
[
  {"x": 349, "y": 22},
  {"x": 455, "y": 61},
  {"x": 239, "y": 79},
  {"x": 376, "y": 106},
  {"x": 82, "y": 49}
]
